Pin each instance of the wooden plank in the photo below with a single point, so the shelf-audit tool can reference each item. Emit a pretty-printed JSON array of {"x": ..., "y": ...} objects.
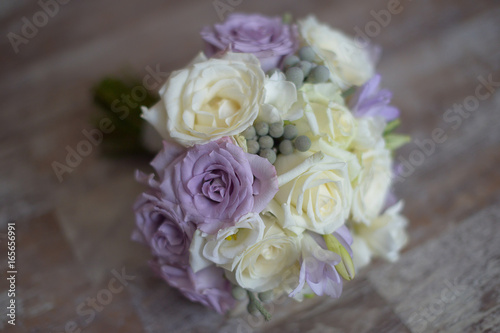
[{"x": 450, "y": 284}]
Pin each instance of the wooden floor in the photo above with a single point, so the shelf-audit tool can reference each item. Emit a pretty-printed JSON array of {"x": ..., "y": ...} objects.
[{"x": 73, "y": 236}]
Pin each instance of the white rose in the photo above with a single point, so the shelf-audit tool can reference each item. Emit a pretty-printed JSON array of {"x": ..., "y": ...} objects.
[
  {"x": 326, "y": 116},
  {"x": 349, "y": 63},
  {"x": 280, "y": 101},
  {"x": 372, "y": 185},
  {"x": 269, "y": 263},
  {"x": 231, "y": 242},
  {"x": 384, "y": 237},
  {"x": 315, "y": 192},
  {"x": 209, "y": 99}
]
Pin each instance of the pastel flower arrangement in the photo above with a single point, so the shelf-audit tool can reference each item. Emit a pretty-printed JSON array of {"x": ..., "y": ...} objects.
[{"x": 275, "y": 175}]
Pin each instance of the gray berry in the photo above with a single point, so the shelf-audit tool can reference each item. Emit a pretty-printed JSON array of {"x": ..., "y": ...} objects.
[
  {"x": 253, "y": 146},
  {"x": 266, "y": 142},
  {"x": 249, "y": 133},
  {"x": 319, "y": 74},
  {"x": 276, "y": 130},
  {"x": 295, "y": 75},
  {"x": 302, "y": 143},
  {"x": 269, "y": 154},
  {"x": 286, "y": 147},
  {"x": 307, "y": 53},
  {"x": 262, "y": 128},
  {"x": 239, "y": 293},
  {"x": 290, "y": 132},
  {"x": 290, "y": 60},
  {"x": 305, "y": 66},
  {"x": 266, "y": 296}
]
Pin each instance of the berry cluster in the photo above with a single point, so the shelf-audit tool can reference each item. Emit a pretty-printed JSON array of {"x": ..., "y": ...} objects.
[
  {"x": 268, "y": 140},
  {"x": 303, "y": 67}
]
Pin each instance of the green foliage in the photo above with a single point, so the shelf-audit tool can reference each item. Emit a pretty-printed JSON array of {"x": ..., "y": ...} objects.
[{"x": 120, "y": 100}]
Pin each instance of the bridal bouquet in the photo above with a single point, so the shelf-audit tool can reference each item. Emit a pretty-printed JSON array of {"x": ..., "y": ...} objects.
[{"x": 275, "y": 175}]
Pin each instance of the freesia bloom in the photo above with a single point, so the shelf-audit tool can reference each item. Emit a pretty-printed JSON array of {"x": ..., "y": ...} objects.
[
  {"x": 231, "y": 242},
  {"x": 208, "y": 286},
  {"x": 384, "y": 237},
  {"x": 268, "y": 38},
  {"x": 349, "y": 63},
  {"x": 318, "y": 264},
  {"x": 280, "y": 101},
  {"x": 209, "y": 99},
  {"x": 216, "y": 183},
  {"x": 371, "y": 101}
]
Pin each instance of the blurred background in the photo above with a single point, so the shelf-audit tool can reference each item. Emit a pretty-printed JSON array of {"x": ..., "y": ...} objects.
[{"x": 440, "y": 58}]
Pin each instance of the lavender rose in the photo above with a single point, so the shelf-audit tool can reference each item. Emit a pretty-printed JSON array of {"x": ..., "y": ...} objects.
[
  {"x": 160, "y": 225},
  {"x": 208, "y": 286},
  {"x": 266, "y": 37},
  {"x": 215, "y": 183}
]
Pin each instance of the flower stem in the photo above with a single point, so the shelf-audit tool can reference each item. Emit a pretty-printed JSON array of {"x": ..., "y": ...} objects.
[{"x": 259, "y": 306}]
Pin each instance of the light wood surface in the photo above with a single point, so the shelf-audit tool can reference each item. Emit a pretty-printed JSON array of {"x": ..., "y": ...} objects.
[{"x": 73, "y": 236}]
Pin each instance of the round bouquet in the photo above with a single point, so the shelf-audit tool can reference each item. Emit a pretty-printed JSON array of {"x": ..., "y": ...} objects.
[{"x": 275, "y": 175}]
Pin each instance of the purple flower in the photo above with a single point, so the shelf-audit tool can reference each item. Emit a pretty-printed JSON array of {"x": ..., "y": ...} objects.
[
  {"x": 215, "y": 183},
  {"x": 160, "y": 225},
  {"x": 370, "y": 101},
  {"x": 266, "y": 37},
  {"x": 208, "y": 286},
  {"x": 318, "y": 264}
]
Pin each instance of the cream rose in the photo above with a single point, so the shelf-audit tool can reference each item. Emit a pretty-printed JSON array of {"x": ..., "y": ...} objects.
[
  {"x": 349, "y": 63},
  {"x": 269, "y": 263},
  {"x": 209, "y": 99},
  {"x": 231, "y": 242},
  {"x": 384, "y": 237},
  {"x": 326, "y": 116},
  {"x": 372, "y": 185},
  {"x": 315, "y": 192}
]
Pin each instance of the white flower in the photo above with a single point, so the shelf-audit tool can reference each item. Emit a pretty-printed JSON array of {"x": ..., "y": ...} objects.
[
  {"x": 231, "y": 242},
  {"x": 372, "y": 185},
  {"x": 269, "y": 263},
  {"x": 280, "y": 101},
  {"x": 369, "y": 134},
  {"x": 209, "y": 99},
  {"x": 384, "y": 237},
  {"x": 197, "y": 260},
  {"x": 315, "y": 192},
  {"x": 325, "y": 115},
  {"x": 349, "y": 63}
]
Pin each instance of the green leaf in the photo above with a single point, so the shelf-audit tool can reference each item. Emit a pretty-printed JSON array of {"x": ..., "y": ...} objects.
[
  {"x": 309, "y": 295},
  {"x": 117, "y": 103},
  {"x": 391, "y": 126},
  {"x": 349, "y": 92},
  {"x": 346, "y": 267},
  {"x": 287, "y": 18},
  {"x": 394, "y": 141}
]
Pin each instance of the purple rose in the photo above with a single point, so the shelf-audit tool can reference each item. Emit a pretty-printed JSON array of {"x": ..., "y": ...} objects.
[
  {"x": 370, "y": 101},
  {"x": 160, "y": 225},
  {"x": 215, "y": 183},
  {"x": 266, "y": 37},
  {"x": 208, "y": 286}
]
